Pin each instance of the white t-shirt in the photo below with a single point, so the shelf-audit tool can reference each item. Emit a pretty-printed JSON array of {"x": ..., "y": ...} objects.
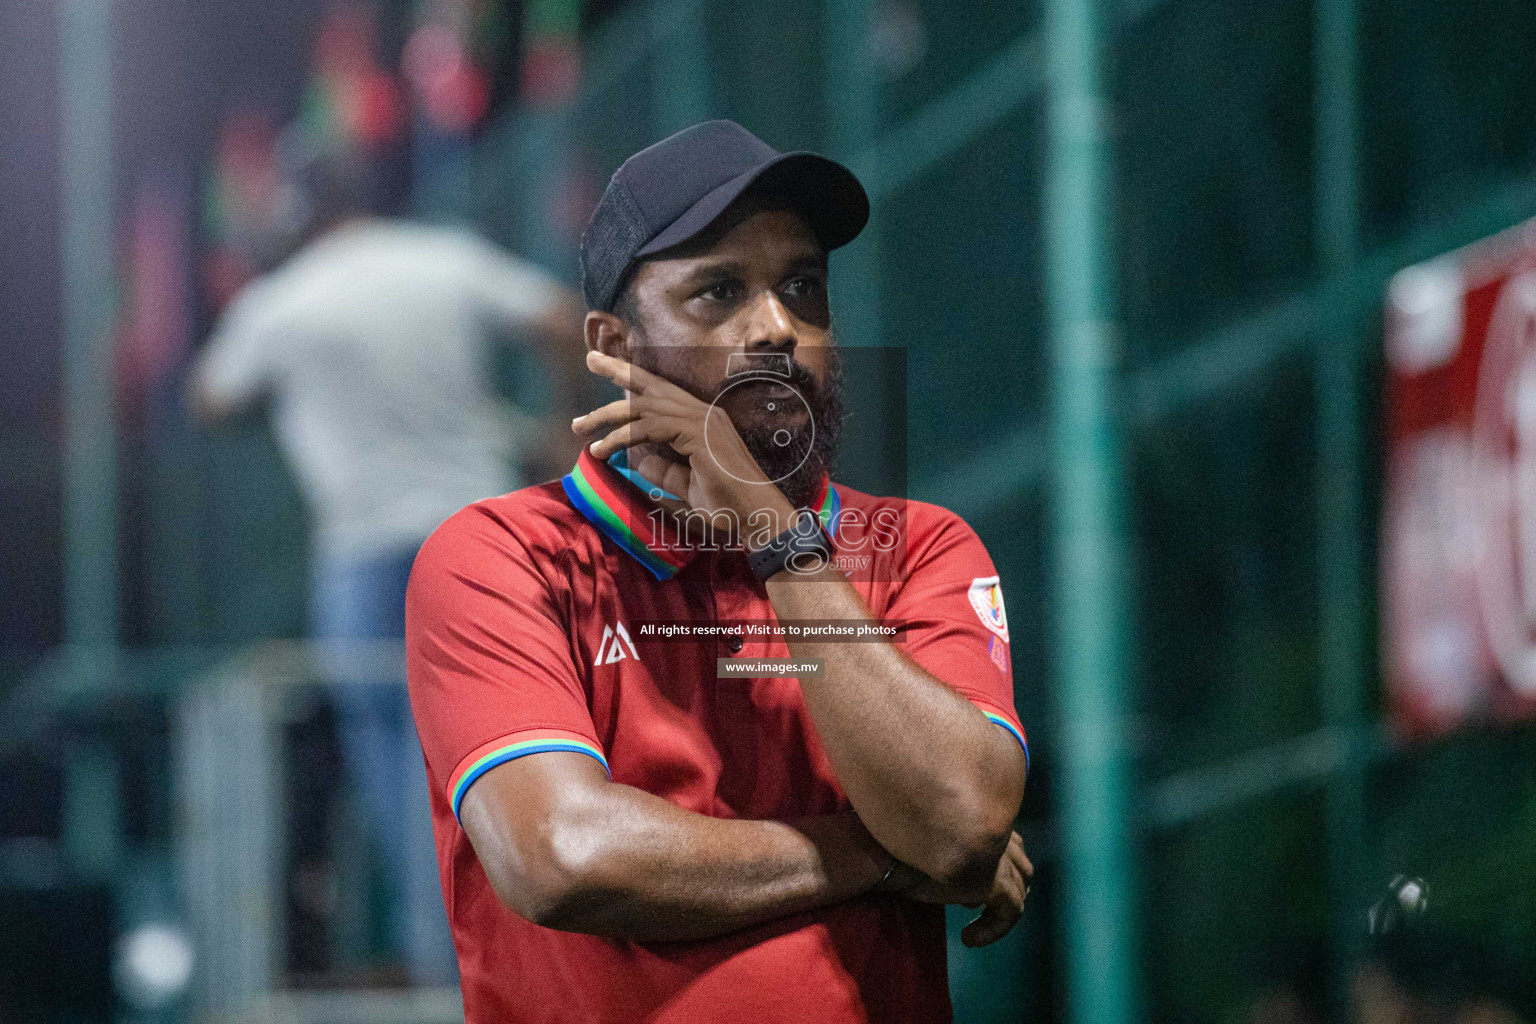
[{"x": 373, "y": 344}]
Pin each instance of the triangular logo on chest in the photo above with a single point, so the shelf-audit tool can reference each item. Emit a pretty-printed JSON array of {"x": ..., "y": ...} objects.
[{"x": 611, "y": 648}]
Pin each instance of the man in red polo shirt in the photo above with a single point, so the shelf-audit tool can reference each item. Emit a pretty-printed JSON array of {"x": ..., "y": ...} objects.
[{"x": 692, "y": 843}]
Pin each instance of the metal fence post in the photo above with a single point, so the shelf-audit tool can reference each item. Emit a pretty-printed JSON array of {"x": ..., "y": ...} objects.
[
  {"x": 90, "y": 435},
  {"x": 230, "y": 840},
  {"x": 1340, "y": 506},
  {"x": 1091, "y": 607},
  {"x": 853, "y": 123},
  {"x": 852, "y": 99}
]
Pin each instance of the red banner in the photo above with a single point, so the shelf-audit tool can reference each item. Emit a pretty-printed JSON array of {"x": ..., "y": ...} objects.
[{"x": 1459, "y": 527}]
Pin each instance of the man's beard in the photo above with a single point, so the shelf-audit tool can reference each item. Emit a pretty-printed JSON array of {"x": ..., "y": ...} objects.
[{"x": 799, "y": 465}]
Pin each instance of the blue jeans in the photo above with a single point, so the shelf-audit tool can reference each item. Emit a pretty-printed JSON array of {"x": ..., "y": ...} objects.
[{"x": 363, "y": 599}]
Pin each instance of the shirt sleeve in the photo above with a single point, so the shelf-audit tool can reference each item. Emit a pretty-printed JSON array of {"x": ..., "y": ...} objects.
[
  {"x": 239, "y": 360},
  {"x": 514, "y": 292},
  {"x": 491, "y": 672},
  {"x": 957, "y": 625}
]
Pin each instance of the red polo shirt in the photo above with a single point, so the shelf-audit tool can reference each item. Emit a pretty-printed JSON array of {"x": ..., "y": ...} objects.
[{"x": 518, "y": 641}]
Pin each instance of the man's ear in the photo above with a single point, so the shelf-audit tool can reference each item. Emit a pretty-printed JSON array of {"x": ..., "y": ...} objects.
[{"x": 608, "y": 334}]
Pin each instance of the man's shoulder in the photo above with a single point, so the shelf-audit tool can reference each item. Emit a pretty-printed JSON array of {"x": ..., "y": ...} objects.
[
  {"x": 427, "y": 244},
  {"x": 921, "y": 536},
  {"x": 261, "y": 301},
  {"x": 538, "y": 520},
  {"x": 921, "y": 518}
]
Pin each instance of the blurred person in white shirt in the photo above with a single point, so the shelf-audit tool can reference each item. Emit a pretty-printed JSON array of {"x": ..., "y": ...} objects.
[{"x": 373, "y": 347}]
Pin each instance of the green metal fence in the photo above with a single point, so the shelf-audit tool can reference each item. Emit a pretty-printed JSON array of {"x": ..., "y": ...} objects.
[{"x": 1135, "y": 253}]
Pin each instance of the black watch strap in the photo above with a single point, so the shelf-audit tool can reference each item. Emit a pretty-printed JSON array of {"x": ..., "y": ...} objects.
[{"x": 804, "y": 548}]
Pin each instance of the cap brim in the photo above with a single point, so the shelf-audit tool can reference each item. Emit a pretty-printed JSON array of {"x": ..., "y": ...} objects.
[{"x": 824, "y": 190}]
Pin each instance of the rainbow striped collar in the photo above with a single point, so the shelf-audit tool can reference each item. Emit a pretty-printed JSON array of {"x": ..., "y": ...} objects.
[{"x": 622, "y": 512}]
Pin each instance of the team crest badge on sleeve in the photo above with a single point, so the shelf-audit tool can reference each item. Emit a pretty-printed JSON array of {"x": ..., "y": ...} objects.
[
  {"x": 998, "y": 652},
  {"x": 987, "y": 599}
]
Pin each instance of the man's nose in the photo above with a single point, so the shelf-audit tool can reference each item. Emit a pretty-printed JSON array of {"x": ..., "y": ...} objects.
[{"x": 771, "y": 326}]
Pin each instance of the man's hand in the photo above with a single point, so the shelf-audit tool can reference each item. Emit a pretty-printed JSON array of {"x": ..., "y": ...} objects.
[
  {"x": 1003, "y": 897},
  {"x": 720, "y": 476}
]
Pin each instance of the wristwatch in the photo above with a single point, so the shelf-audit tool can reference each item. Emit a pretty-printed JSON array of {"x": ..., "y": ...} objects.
[{"x": 804, "y": 548}]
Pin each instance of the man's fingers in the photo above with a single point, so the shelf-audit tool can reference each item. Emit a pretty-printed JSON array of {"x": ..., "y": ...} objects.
[
  {"x": 622, "y": 373},
  {"x": 999, "y": 917},
  {"x": 1014, "y": 886},
  {"x": 982, "y": 931},
  {"x": 1020, "y": 858},
  {"x": 1003, "y": 909},
  {"x": 629, "y": 376},
  {"x": 1026, "y": 872},
  {"x": 992, "y": 925},
  {"x": 651, "y": 428},
  {"x": 670, "y": 476},
  {"x": 612, "y": 414}
]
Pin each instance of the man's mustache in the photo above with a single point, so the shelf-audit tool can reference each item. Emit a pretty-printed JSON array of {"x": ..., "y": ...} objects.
[{"x": 800, "y": 378}]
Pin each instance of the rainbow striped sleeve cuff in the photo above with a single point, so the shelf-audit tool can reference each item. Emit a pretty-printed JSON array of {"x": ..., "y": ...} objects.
[
  {"x": 510, "y": 747},
  {"x": 997, "y": 717}
]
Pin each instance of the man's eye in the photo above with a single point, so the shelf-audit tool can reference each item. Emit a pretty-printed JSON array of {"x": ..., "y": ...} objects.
[
  {"x": 803, "y": 287},
  {"x": 719, "y": 292}
]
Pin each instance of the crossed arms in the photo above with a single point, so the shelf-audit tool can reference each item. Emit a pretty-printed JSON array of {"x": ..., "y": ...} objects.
[{"x": 567, "y": 848}]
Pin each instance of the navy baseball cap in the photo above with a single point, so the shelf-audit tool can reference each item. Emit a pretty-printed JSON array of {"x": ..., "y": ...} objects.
[{"x": 668, "y": 193}]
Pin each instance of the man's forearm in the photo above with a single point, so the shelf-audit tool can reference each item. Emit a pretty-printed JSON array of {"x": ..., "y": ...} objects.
[
  {"x": 921, "y": 764},
  {"x": 632, "y": 865}
]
